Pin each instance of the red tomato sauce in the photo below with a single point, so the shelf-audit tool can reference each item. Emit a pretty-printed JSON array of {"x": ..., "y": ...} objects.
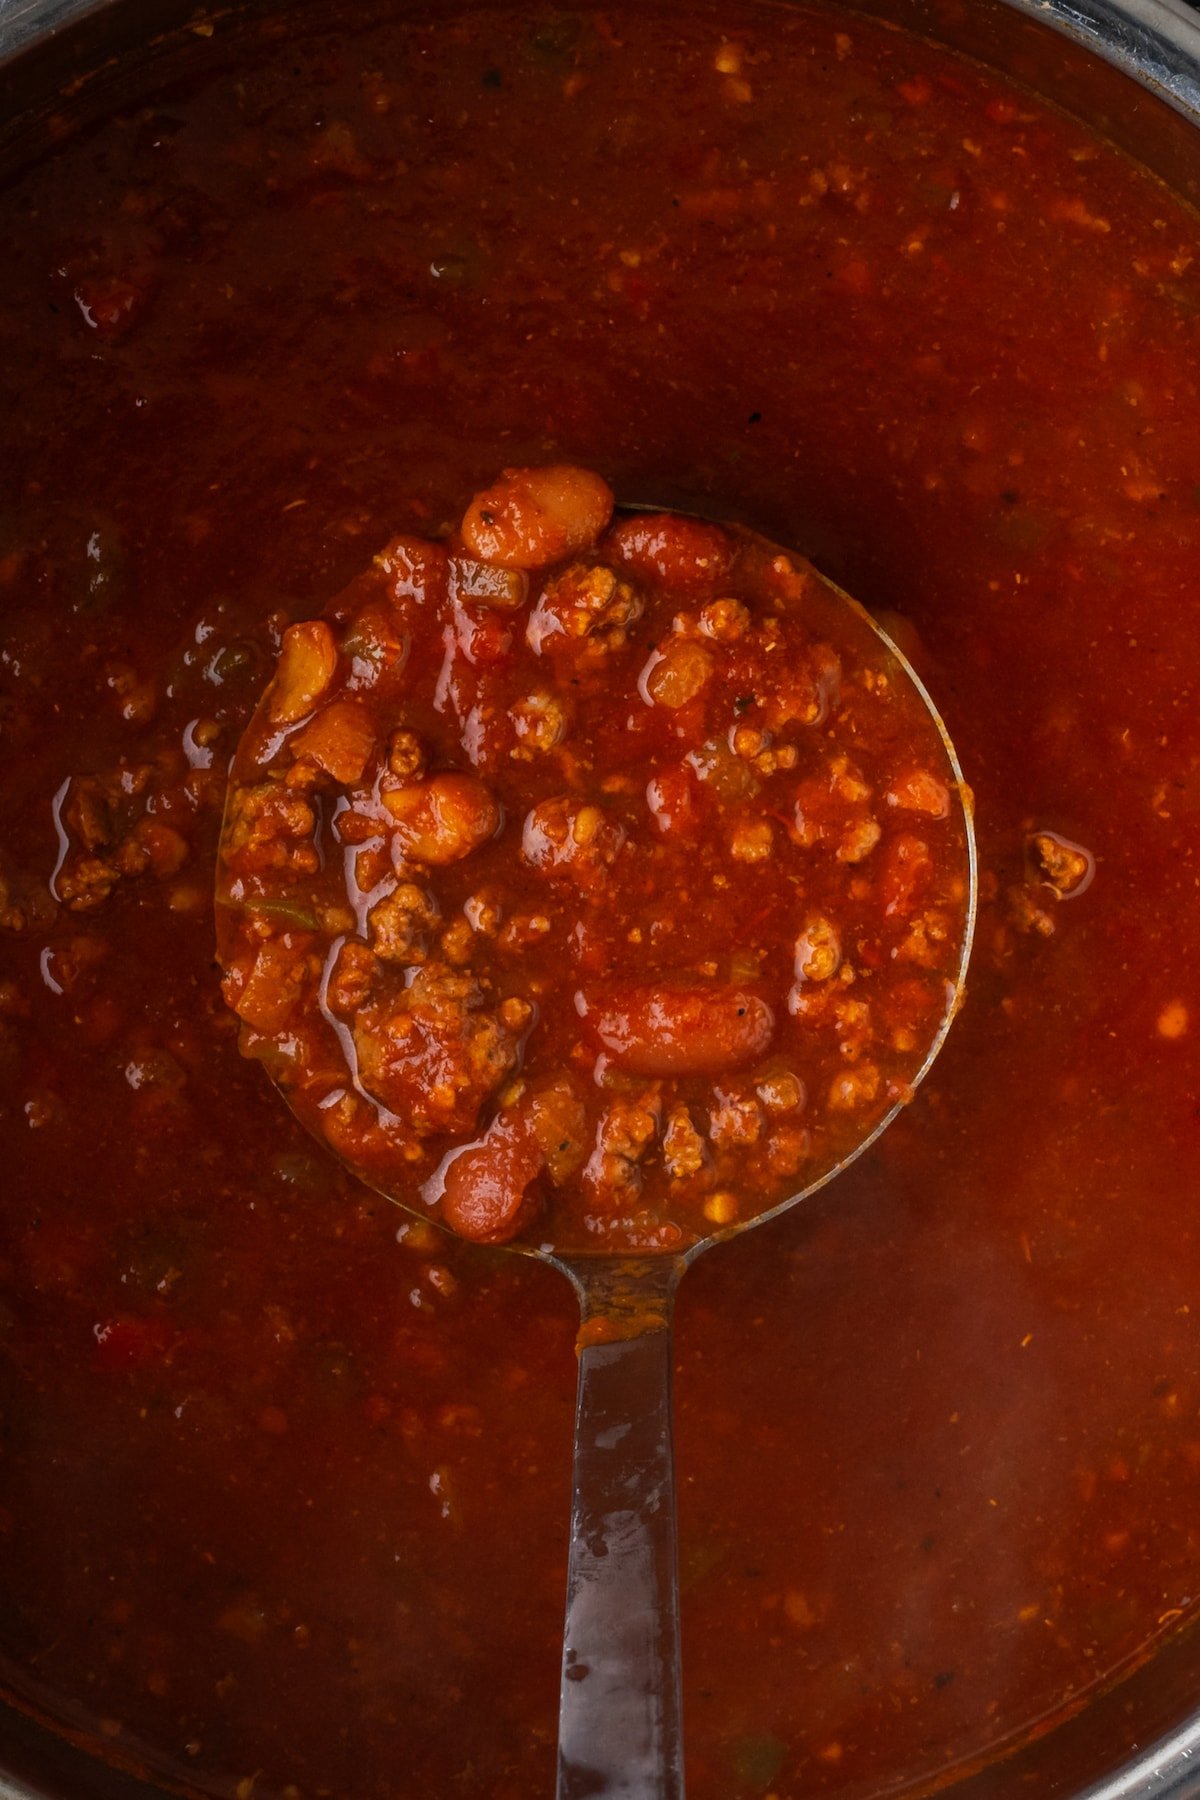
[
  {"x": 282, "y": 1498},
  {"x": 601, "y": 899}
]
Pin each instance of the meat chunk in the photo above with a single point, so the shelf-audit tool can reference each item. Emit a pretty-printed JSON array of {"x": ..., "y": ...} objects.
[
  {"x": 818, "y": 950},
  {"x": 1027, "y": 914},
  {"x": 751, "y": 840},
  {"x": 152, "y": 848},
  {"x": 558, "y": 1123},
  {"x": 627, "y": 1129},
  {"x": 85, "y": 882},
  {"x": 920, "y": 792},
  {"x": 88, "y": 812},
  {"x": 858, "y": 840},
  {"x": 1066, "y": 867},
  {"x": 801, "y": 692},
  {"x": 925, "y": 941},
  {"x": 906, "y": 872},
  {"x": 114, "y": 832},
  {"x": 735, "y": 1119},
  {"x": 405, "y": 754},
  {"x": 683, "y": 1147},
  {"x": 399, "y": 924},
  {"x": 854, "y": 1088},
  {"x": 583, "y": 602},
  {"x": 723, "y": 772},
  {"x": 572, "y": 838},
  {"x": 540, "y": 722},
  {"x": 352, "y": 978},
  {"x": 435, "y": 1051},
  {"x": 270, "y": 828},
  {"x": 726, "y": 621}
]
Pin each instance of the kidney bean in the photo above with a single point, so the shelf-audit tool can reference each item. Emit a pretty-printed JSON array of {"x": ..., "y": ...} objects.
[
  {"x": 660, "y": 1030},
  {"x": 687, "y": 555},
  {"x": 532, "y": 517},
  {"x": 485, "y": 1185}
]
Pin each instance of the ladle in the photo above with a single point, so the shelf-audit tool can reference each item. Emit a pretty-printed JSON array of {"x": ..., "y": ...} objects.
[{"x": 620, "y": 1711}]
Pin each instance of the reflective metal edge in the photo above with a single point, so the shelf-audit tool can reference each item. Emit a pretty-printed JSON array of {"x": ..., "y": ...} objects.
[
  {"x": 24, "y": 23},
  {"x": 1157, "y": 42}
]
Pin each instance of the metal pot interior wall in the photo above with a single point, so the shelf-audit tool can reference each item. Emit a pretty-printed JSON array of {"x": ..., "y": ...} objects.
[{"x": 77, "y": 58}]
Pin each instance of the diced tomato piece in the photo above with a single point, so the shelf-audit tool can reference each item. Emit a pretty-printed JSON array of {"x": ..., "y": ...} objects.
[
  {"x": 481, "y": 584},
  {"x": 267, "y": 993},
  {"x": 483, "y": 637},
  {"x": 673, "y": 796},
  {"x": 339, "y": 740}
]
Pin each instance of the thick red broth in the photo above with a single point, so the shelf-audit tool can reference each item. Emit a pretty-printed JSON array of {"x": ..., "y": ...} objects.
[{"x": 284, "y": 1476}]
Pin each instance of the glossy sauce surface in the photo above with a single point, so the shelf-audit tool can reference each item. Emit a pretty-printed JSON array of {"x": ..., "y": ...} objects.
[
  {"x": 939, "y": 1431},
  {"x": 592, "y": 883}
]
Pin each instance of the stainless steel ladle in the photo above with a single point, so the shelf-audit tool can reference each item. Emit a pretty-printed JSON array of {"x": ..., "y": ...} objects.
[{"x": 620, "y": 1708}]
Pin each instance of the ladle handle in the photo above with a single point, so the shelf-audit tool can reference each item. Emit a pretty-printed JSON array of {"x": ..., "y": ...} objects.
[{"x": 620, "y": 1727}]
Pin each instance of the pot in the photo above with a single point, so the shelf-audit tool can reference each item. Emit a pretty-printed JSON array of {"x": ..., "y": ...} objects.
[{"x": 1130, "y": 69}]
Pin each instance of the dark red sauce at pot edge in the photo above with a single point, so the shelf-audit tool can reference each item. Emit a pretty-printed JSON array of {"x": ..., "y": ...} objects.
[{"x": 283, "y": 1498}]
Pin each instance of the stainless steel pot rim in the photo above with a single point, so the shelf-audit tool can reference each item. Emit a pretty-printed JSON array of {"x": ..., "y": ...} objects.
[
  {"x": 1169, "y": 1770},
  {"x": 1156, "y": 43}
]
